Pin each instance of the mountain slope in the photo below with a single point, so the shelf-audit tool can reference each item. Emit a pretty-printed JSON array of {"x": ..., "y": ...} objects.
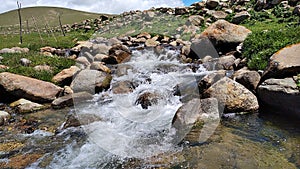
[{"x": 43, "y": 14}]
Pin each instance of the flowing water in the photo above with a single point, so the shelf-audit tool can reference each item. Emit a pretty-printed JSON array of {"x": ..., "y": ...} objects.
[{"x": 128, "y": 135}]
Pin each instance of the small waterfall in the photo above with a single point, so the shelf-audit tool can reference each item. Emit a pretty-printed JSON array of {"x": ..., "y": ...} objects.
[{"x": 126, "y": 129}]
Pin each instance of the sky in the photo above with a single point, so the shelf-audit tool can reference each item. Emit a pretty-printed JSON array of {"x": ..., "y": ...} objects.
[{"x": 98, "y": 6}]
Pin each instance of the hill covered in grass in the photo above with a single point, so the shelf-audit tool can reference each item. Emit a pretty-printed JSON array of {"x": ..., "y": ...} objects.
[{"x": 45, "y": 14}]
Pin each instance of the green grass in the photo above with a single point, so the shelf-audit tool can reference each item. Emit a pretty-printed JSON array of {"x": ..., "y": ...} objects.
[
  {"x": 57, "y": 64},
  {"x": 68, "y": 16},
  {"x": 34, "y": 42},
  {"x": 271, "y": 31}
]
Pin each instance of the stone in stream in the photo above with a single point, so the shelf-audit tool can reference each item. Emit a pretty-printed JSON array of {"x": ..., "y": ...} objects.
[
  {"x": 280, "y": 96},
  {"x": 91, "y": 81},
  {"x": 26, "y": 106},
  {"x": 17, "y": 86},
  {"x": 4, "y": 116},
  {"x": 203, "y": 114},
  {"x": 147, "y": 99},
  {"x": 69, "y": 100},
  {"x": 234, "y": 96}
]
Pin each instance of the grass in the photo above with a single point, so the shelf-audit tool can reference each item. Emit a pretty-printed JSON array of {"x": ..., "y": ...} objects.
[
  {"x": 33, "y": 41},
  {"x": 271, "y": 31},
  {"x": 68, "y": 16},
  {"x": 56, "y": 63},
  {"x": 159, "y": 25}
]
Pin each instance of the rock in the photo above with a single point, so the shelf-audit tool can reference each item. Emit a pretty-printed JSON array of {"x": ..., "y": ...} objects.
[
  {"x": 122, "y": 87},
  {"x": 99, "y": 49},
  {"x": 25, "y": 62},
  {"x": 48, "y": 54},
  {"x": 144, "y": 35},
  {"x": 247, "y": 78},
  {"x": 219, "y": 15},
  {"x": 284, "y": 63},
  {"x": 260, "y": 4},
  {"x": 151, "y": 43},
  {"x": 211, "y": 79},
  {"x": 91, "y": 81},
  {"x": 83, "y": 60},
  {"x": 25, "y": 87},
  {"x": 26, "y": 106},
  {"x": 194, "y": 114},
  {"x": 3, "y": 67},
  {"x": 65, "y": 76},
  {"x": 1, "y": 58},
  {"x": 43, "y": 68},
  {"x": 181, "y": 11},
  {"x": 100, "y": 57},
  {"x": 120, "y": 53},
  {"x": 212, "y": 3},
  {"x": 100, "y": 66},
  {"x": 69, "y": 100},
  {"x": 296, "y": 10},
  {"x": 226, "y": 62},
  {"x": 234, "y": 96},
  {"x": 4, "y": 117},
  {"x": 67, "y": 90},
  {"x": 47, "y": 49},
  {"x": 146, "y": 99},
  {"x": 280, "y": 96},
  {"x": 75, "y": 120},
  {"x": 202, "y": 48},
  {"x": 240, "y": 17},
  {"x": 225, "y": 36},
  {"x": 196, "y": 20},
  {"x": 14, "y": 50}
]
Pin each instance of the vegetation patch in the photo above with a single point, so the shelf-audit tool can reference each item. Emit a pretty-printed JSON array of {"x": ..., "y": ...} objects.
[
  {"x": 270, "y": 33},
  {"x": 56, "y": 63}
]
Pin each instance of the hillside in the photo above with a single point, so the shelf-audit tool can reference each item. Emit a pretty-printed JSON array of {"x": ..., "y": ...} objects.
[{"x": 68, "y": 16}]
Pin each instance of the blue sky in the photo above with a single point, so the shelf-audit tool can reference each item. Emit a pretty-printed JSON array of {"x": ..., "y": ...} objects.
[
  {"x": 99, "y": 6},
  {"x": 189, "y": 2}
]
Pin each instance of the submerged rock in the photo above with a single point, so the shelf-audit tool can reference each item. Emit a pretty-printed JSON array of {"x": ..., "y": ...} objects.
[
  {"x": 281, "y": 96},
  {"x": 70, "y": 99},
  {"x": 26, "y": 106},
  {"x": 4, "y": 116},
  {"x": 234, "y": 96},
  {"x": 25, "y": 87}
]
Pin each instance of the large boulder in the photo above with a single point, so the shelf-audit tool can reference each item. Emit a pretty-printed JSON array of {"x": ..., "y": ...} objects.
[
  {"x": 284, "y": 63},
  {"x": 212, "y": 3},
  {"x": 17, "y": 86},
  {"x": 280, "y": 96},
  {"x": 225, "y": 36},
  {"x": 65, "y": 76},
  {"x": 234, "y": 96},
  {"x": 91, "y": 81}
]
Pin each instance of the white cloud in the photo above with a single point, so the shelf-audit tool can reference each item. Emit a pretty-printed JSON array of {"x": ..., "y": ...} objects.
[{"x": 99, "y": 6}]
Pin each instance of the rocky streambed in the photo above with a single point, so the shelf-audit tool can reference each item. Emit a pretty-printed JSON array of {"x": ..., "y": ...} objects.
[{"x": 155, "y": 102}]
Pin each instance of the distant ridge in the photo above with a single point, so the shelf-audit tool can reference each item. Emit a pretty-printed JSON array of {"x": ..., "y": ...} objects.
[{"x": 68, "y": 16}]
